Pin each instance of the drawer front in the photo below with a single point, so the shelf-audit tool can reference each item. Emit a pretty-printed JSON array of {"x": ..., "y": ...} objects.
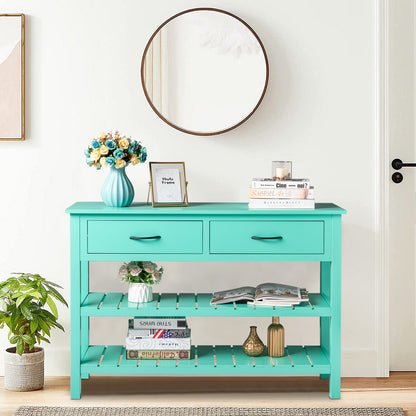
[
  {"x": 115, "y": 237},
  {"x": 297, "y": 237}
]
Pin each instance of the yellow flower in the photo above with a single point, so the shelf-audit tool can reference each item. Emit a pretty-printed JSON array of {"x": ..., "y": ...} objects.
[
  {"x": 134, "y": 160},
  {"x": 124, "y": 143},
  {"x": 95, "y": 155},
  {"x": 120, "y": 163},
  {"x": 102, "y": 136},
  {"x": 103, "y": 161},
  {"x": 104, "y": 150}
]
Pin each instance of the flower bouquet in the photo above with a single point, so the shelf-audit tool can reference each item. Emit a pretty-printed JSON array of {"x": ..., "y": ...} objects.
[
  {"x": 140, "y": 275},
  {"x": 114, "y": 150},
  {"x": 117, "y": 152}
]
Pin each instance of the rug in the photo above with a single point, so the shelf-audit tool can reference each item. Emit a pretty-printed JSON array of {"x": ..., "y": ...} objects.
[{"x": 205, "y": 411}]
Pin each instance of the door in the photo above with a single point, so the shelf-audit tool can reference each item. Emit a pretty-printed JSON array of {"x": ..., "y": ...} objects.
[{"x": 402, "y": 196}]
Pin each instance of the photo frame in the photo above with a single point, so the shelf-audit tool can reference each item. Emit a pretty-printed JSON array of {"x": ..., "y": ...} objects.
[
  {"x": 12, "y": 77},
  {"x": 168, "y": 184}
]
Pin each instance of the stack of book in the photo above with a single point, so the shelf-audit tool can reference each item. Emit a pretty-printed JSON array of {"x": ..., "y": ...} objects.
[
  {"x": 158, "y": 339},
  {"x": 267, "y": 193}
]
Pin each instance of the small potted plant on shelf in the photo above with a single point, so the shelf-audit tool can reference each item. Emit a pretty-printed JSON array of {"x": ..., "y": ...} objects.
[
  {"x": 23, "y": 299},
  {"x": 140, "y": 275}
]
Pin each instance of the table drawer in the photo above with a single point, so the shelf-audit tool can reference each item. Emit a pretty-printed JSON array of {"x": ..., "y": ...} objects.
[
  {"x": 270, "y": 237},
  {"x": 167, "y": 237}
]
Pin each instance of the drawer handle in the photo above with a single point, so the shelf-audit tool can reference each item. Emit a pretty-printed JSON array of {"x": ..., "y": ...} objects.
[
  {"x": 155, "y": 237},
  {"x": 266, "y": 238}
]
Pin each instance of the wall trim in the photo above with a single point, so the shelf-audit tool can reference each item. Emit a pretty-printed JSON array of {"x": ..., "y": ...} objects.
[{"x": 382, "y": 172}]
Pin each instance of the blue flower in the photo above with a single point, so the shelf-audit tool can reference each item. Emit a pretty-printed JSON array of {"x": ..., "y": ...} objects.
[
  {"x": 95, "y": 144},
  {"x": 89, "y": 161},
  {"x": 143, "y": 155},
  {"x": 87, "y": 152},
  {"x": 111, "y": 161},
  {"x": 133, "y": 146},
  {"x": 111, "y": 144},
  {"x": 118, "y": 154}
]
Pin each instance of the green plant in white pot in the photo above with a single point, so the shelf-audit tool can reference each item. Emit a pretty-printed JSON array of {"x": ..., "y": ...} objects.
[
  {"x": 23, "y": 301},
  {"x": 140, "y": 275}
]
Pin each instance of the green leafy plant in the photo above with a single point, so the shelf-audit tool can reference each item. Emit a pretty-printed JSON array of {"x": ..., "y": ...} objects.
[{"x": 22, "y": 309}]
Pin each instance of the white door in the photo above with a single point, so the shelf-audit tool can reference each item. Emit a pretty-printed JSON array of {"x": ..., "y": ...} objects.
[{"x": 401, "y": 95}]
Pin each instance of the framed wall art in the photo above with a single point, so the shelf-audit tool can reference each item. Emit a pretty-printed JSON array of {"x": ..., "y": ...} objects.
[
  {"x": 12, "y": 76},
  {"x": 168, "y": 184}
]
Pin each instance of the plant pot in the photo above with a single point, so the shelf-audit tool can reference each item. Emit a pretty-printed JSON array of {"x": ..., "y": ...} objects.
[
  {"x": 23, "y": 372},
  {"x": 117, "y": 190},
  {"x": 140, "y": 292}
]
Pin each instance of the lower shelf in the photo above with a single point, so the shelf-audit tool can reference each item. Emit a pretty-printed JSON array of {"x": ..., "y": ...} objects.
[{"x": 207, "y": 359}]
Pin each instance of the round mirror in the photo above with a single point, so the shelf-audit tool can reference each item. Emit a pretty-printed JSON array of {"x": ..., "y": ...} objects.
[{"x": 204, "y": 71}]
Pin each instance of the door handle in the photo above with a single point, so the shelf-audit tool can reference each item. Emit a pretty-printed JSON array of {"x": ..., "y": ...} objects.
[
  {"x": 398, "y": 164},
  {"x": 254, "y": 237},
  {"x": 155, "y": 237}
]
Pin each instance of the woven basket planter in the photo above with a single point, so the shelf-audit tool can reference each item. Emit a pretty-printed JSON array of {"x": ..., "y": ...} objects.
[{"x": 23, "y": 372}]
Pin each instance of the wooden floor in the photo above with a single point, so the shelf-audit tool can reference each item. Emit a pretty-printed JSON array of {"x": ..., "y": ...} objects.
[{"x": 397, "y": 391}]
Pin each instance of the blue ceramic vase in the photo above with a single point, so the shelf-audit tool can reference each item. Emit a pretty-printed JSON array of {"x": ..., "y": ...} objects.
[{"x": 117, "y": 190}]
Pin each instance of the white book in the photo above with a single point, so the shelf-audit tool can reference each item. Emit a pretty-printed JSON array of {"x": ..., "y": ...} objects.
[
  {"x": 266, "y": 183},
  {"x": 157, "y": 323},
  {"x": 158, "y": 343},
  {"x": 263, "y": 203}
]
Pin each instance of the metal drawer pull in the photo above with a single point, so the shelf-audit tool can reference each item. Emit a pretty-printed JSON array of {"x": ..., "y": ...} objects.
[
  {"x": 155, "y": 237},
  {"x": 266, "y": 238}
]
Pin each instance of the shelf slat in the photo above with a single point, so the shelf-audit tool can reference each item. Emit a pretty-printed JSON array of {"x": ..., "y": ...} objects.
[
  {"x": 207, "y": 359},
  {"x": 190, "y": 304}
]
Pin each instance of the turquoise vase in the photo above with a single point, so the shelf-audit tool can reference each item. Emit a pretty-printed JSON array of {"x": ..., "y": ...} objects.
[{"x": 117, "y": 190}]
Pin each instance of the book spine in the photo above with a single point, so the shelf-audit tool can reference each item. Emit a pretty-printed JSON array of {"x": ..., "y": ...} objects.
[
  {"x": 158, "y": 344},
  {"x": 157, "y": 323},
  {"x": 304, "y": 184},
  {"x": 281, "y": 203},
  {"x": 158, "y": 354},
  {"x": 159, "y": 333},
  {"x": 281, "y": 193}
]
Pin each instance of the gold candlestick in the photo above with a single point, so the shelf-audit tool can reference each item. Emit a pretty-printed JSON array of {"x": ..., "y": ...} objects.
[{"x": 276, "y": 338}]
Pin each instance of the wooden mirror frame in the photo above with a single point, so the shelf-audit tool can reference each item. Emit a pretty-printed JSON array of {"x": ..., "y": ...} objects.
[{"x": 142, "y": 70}]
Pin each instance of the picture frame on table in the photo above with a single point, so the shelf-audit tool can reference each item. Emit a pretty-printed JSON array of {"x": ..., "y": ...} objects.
[
  {"x": 168, "y": 184},
  {"x": 12, "y": 77}
]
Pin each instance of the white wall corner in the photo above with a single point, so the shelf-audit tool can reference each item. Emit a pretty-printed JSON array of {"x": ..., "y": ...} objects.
[{"x": 358, "y": 363}]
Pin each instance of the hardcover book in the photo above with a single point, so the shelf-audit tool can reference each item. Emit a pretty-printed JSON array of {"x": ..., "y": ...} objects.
[
  {"x": 158, "y": 343},
  {"x": 158, "y": 354},
  {"x": 283, "y": 193},
  {"x": 265, "y": 203},
  {"x": 159, "y": 333},
  {"x": 157, "y": 323},
  {"x": 287, "y": 183}
]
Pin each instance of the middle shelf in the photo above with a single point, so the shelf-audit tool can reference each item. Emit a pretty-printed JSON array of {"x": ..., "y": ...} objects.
[{"x": 193, "y": 304}]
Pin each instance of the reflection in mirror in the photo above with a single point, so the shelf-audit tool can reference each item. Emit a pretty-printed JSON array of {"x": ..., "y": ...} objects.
[{"x": 204, "y": 71}]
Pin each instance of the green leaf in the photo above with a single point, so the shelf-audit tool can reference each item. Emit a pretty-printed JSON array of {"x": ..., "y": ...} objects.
[
  {"x": 20, "y": 346},
  {"x": 57, "y": 295},
  {"x": 14, "y": 339},
  {"x": 45, "y": 327},
  {"x": 52, "y": 305},
  {"x": 26, "y": 312},
  {"x": 29, "y": 339},
  {"x": 20, "y": 300},
  {"x": 34, "y": 325}
]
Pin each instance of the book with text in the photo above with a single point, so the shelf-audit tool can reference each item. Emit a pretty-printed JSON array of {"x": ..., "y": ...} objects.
[
  {"x": 282, "y": 193},
  {"x": 158, "y": 354},
  {"x": 287, "y": 183},
  {"x": 159, "y": 333},
  {"x": 158, "y": 343},
  {"x": 265, "y": 203},
  {"x": 157, "y": 323}
]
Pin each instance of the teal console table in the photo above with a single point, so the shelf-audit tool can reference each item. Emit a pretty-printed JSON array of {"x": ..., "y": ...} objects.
[{"x": 204, "y": 232}]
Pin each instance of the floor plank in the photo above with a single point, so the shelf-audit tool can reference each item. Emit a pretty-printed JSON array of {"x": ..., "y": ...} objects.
[{"x": 397, "y": 390}]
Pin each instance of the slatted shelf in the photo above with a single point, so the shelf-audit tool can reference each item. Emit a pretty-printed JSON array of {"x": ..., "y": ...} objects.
[
  {"x": 207, "y": 359},
  {"x": 191, "y": 304}
]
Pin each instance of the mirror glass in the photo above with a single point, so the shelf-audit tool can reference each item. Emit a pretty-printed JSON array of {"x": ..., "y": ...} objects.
[{"x": 204, "y": 71}]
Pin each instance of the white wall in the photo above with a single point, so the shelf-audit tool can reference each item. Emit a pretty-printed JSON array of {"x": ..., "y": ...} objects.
[{"x": 82, "y": 77}]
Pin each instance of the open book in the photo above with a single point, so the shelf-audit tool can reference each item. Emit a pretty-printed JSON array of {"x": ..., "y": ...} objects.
[{"x": 267, "y": 294}]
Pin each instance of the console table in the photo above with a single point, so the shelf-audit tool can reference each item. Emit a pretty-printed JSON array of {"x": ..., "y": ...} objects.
[{"x": 204, "y": 232}]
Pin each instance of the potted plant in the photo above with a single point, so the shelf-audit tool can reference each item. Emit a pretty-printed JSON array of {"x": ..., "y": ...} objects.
[
  {"x": 140, "y": 275},
  {"x": 23, "y": 299},
  {"x": 117, "y": 152}
]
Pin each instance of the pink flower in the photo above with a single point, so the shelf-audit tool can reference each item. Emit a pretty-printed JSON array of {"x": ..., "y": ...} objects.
[
  {"x": 135, "y": 271},
  {"x": 123, "y": 271}
]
